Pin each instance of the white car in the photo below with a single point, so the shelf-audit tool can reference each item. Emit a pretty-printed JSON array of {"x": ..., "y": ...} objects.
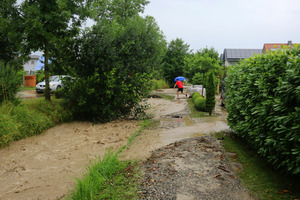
[{"x": 55, "y": 83}]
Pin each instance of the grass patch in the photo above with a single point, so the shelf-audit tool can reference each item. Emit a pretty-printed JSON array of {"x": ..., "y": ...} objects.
[
  {"x": 108, "y": 178},
  {"x": 27, "y": 88},
  {"x": 194, "y": 112},
  {"x": 257, "y": 176},
  {"x": 144, "y": 124},
  {"x": 167, "y": 97},
  {"x": 30, "y": 117},
  {"x": 159, "y": 84},
  {"x": 153, "y": 124}
]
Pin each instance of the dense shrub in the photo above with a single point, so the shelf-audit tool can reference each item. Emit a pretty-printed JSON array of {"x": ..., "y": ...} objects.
[
  {"x": 9, "y": 82},
  {"x": 200, "y": 103},
  {"x": 195, "y": 95},
  {"x": 107, "y": 97},
  {"x": 263, "y": 103},
  {"x": 114, "y": 68},
  {"x": 210, "y": 94}
]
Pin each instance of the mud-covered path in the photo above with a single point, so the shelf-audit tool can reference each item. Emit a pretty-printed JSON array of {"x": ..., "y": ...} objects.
[
  {"x": 174, "y": 125},
  {"x": 45, "y": 166},
  {"x": 182, "y": 160}
]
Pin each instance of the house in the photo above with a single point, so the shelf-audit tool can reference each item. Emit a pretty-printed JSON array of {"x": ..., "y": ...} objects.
[
  {"x": 273, "y": 46},
  {"x": 233, "y": 56},
  {"x": 30, "y": 66}
]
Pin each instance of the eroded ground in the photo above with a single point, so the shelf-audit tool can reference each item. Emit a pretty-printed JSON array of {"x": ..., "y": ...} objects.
[{"x": 44, "y": 167}]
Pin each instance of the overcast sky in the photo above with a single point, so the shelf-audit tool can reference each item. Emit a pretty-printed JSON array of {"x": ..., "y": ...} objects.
[{"x": 227, "y": 23}]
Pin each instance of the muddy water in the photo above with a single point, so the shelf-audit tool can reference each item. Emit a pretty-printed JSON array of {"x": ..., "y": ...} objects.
[
  {"x": 175, "y": 125},
  {"x": 45, "y": 166}
]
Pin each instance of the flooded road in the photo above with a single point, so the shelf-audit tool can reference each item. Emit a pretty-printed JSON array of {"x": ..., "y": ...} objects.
[
  {"x": 174, "y": 125},
  {"x": 181, "y": 159},
  {"x": 45, "y": 166}
]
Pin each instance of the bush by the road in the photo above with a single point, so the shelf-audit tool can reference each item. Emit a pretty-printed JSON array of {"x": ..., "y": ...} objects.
[
  {"x": 199, "y": 101},
  {"x": 263, "y": 103},
  {"x": 195, "y": 94},
  {"x": 114, "y": 68}
]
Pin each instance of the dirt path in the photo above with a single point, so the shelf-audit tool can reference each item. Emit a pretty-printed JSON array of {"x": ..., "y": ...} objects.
[
  {"x": 182, "y": 160},
  {"x": 44, "y": 167}
]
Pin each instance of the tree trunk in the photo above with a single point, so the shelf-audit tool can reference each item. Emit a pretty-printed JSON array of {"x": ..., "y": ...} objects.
[
  {"x": 47, "y": 88},
  {"x": 203, "y": 84}
]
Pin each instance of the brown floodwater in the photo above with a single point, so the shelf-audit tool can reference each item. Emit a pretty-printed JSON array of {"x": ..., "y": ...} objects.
[
  {"x": 45, "y": 166},
  {"x": 175, "y": 125}
]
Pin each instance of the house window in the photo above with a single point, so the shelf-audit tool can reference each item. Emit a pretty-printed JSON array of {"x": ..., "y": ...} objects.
[{"x": 32, "y": 62}]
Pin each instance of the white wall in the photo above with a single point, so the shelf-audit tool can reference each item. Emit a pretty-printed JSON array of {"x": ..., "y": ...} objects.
[{"x": 30, "y": 66}]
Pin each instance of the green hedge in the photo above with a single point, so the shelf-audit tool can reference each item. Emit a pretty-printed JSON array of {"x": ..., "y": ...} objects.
[
  {"x": 194, "y": 95},
  {"x": 263, "y": 103}
]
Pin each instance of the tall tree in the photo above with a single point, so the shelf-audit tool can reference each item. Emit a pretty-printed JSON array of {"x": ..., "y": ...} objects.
[
  {"x": 48, "y": 23},
  {"x": 10, "y": 31},
  {"x": 202, "y": 61},
  {"x": 118, "y": 10},
  {"x": 114, "y": 62},
  {"x": 174, "y": 59},
  {"x": 210, "y": 94}
]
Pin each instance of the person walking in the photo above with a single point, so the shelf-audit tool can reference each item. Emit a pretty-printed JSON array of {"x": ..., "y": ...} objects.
[{"x": 180, "y": 88}]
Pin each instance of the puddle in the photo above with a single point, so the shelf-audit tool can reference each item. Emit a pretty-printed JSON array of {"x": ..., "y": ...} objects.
[
  {"x": 188, "y": 121},
  {"x": 197, "y": 135}
]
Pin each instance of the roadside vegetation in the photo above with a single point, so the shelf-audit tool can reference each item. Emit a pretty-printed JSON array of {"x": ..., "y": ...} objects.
[
  {"x": 19, "y": 120},
  {"x": 195, "y": 113},
  {"x": 260, "y": 178},
  {"x": 108, "y": 178}
]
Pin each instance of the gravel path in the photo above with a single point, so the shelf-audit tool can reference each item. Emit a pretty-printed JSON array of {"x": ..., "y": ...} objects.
[
  {"x": 193, "y": 167},
  {"x": 190, "y": 169}
]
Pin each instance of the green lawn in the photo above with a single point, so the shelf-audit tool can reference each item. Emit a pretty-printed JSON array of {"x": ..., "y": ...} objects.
[
  {"x": 27, "y": 88},
  {"x": 194, "y": 112}
]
